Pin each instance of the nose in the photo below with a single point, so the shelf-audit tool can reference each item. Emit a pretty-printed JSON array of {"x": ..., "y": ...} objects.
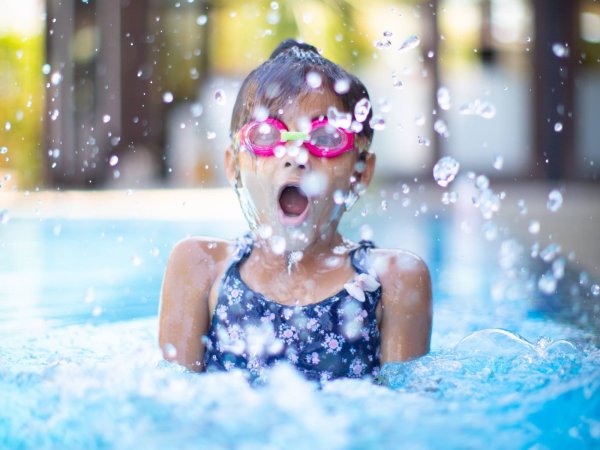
[{"x": 296, "y": 158}]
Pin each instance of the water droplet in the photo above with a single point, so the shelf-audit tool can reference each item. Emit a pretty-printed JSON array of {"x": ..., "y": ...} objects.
[
  {"x": 420, "y": 120},
  {"x": 105, "y": 118},
  {"x": 398, "y": 84},
  {"x": 339, "y": 197},
  {"x": 265, "y": 231},
  {"x": 443, "y": 98},
  {"x": 595, "y": 290},
  {"x": 377, "y": 123},
  {"x": 167, "y": 97},
  {"x": 201, "y": 20},
  {"x": 387, "y": 33},
  {"x": 342, "y": 86},
  {"x": 547, "y": 284},
  {"x": 478, "y": 108},
  {"x": 487, "y": 110},
  {"x": 46, "y": 68},
  {"x": 522, "y": 207},
  {"x": 339, "y": 119},
  {"x": 498, "y": 162},
  {"x": 555, "y": 200},
  {"x": 558, "y": 268},
  {"x": 54, "y": 114},
  {"x": 405, "y": 188},
  {"x": 409, "y": 43},
  {"x": 362, "y": 109},
  {"x": 278, "y": 244},
  {"x": 219, "y": 97},
  {"x": 385, "y": 105},
  {"x": 384, "y": 205},
  {"x": 534, "y": 227},
  {"x": 211, "y": 135},
  {"x": 560, "y": 50},
  {"x": 449, "y": 197},
  {"x": 56, "y": 78},
  {"x": 196, "y": 109},
  {"x": 170, "y": 350},
  {"x": 3, "y": 150},
  {"x": 490, "y": 231},
  {"x": 114, "y": 159},
  {"x": 558, "y": 126},
  {"x": 482, "y": 182},
  {"x": 4, "y": 216},
  {"x": 441, "y": 128},
  {"x": 445, "y": 170},
  {"x": 136, "y": 261},
  {"x": 313, "y": 79},
  {"x": 7, "y": 126},
  {"x": 550, "y": 252},
  {"x": 314, "y": 183}
]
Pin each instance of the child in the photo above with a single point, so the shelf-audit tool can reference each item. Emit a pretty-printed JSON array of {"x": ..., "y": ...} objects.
[{"x": 293, "y": 289}]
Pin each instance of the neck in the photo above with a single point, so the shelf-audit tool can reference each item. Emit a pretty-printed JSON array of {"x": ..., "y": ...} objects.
[{"x": 315, "y": 256}]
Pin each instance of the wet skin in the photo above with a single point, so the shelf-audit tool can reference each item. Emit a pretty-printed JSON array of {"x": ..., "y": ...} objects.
[{"x": 196, "y": 265}]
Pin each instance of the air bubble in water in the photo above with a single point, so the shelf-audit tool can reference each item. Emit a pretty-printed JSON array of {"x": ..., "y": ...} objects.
[
  {"x": 362, "y": 109},
  {"x": 219, "y": 97},
  {"x": 313, "y": 79},
  {"x": 385, "y": 105},
  {"x": 105, "y": 118},
  {"x": 550, "y": 252},
  {"x": 342, "y": 86},
  {"x": 201, "y": 20},
  {"x": 3, "y": 150},
  {"x": 114, "y": 159},
  {"x": 211, "y": 135},
  {"x": 167, "y": 97},
  {"x": 339, "y": 119},
  {"x": 4, "y": 216},
  {"x": 54, "y": 114},
  {"x": 46, "y": 68},
  {"x": 445, "y": 170},
  {"x": 595, "y": 290},
  {"x": 377, "y": 123},
  {"x": 196, "y": 109},
  {"x": 56, "y": 78},
  {"x": 387, "y": 33},
  {"x": 443, "y": 98},
  {"x": 410, "y": 43},
  {"x": 558, "y": 126},
  {"x": 555, "y": 200},
  {"x": 560, "y": 50},
  {"x": 398, "y": 84},
  {"x": 420, "y": 120},
  {"x": 482, "y": 182}
]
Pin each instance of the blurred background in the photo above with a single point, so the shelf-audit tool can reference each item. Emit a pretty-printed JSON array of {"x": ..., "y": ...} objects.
[{"x": 138, "y": 93}]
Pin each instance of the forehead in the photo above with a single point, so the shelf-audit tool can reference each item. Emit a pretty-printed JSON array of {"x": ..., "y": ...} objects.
[{"x": 309, "y": 106}]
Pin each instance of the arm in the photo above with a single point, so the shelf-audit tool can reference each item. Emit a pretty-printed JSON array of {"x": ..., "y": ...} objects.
[
  {"x": 406, "y": 308},
  {"x": 184, "y": 306}
]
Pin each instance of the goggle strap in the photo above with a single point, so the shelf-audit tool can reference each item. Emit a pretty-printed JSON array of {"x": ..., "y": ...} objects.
[{"x": 293, "y": 136}]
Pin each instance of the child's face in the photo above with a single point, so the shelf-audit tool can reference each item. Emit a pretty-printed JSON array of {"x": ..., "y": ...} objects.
[{"x": 293, "y": 197}]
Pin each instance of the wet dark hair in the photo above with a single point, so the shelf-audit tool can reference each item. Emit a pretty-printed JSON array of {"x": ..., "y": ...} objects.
[{"x": 283, "y": 78}]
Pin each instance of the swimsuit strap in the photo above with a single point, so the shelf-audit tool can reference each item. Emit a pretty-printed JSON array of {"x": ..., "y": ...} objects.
[{"x": 359, "y": 255}]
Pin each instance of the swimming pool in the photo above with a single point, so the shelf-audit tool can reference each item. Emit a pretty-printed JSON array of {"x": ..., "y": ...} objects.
[{"x": 79, "y": 366}]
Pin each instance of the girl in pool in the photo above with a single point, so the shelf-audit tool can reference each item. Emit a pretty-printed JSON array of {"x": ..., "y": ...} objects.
[{"x": 293, "y": 289}]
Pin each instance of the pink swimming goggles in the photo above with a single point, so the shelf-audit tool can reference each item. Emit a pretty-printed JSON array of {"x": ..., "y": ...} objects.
[{"x": 323, "y": 140}]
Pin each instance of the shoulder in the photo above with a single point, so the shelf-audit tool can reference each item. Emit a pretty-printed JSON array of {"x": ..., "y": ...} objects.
[
  {"x": 402, "y": 274},
  {"x": 393, "y": 262},
  {"x": 199, "y": 256}
]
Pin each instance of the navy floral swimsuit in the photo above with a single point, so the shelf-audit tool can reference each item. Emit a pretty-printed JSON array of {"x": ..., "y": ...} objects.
[{"x": 334, "y": 338}]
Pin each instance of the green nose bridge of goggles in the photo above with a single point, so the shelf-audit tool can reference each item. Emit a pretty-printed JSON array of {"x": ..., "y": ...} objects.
[{"x": 294, "y": 136}]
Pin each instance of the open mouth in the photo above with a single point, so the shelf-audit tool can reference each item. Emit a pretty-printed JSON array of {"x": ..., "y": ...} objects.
[{"x": 292, "y": 201}]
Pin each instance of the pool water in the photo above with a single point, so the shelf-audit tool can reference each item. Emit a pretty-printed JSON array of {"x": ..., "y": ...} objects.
[{"x": 79, "y": 367}]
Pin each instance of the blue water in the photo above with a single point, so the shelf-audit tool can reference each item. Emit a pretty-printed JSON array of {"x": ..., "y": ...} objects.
[{"x": 79, "y": 366}]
